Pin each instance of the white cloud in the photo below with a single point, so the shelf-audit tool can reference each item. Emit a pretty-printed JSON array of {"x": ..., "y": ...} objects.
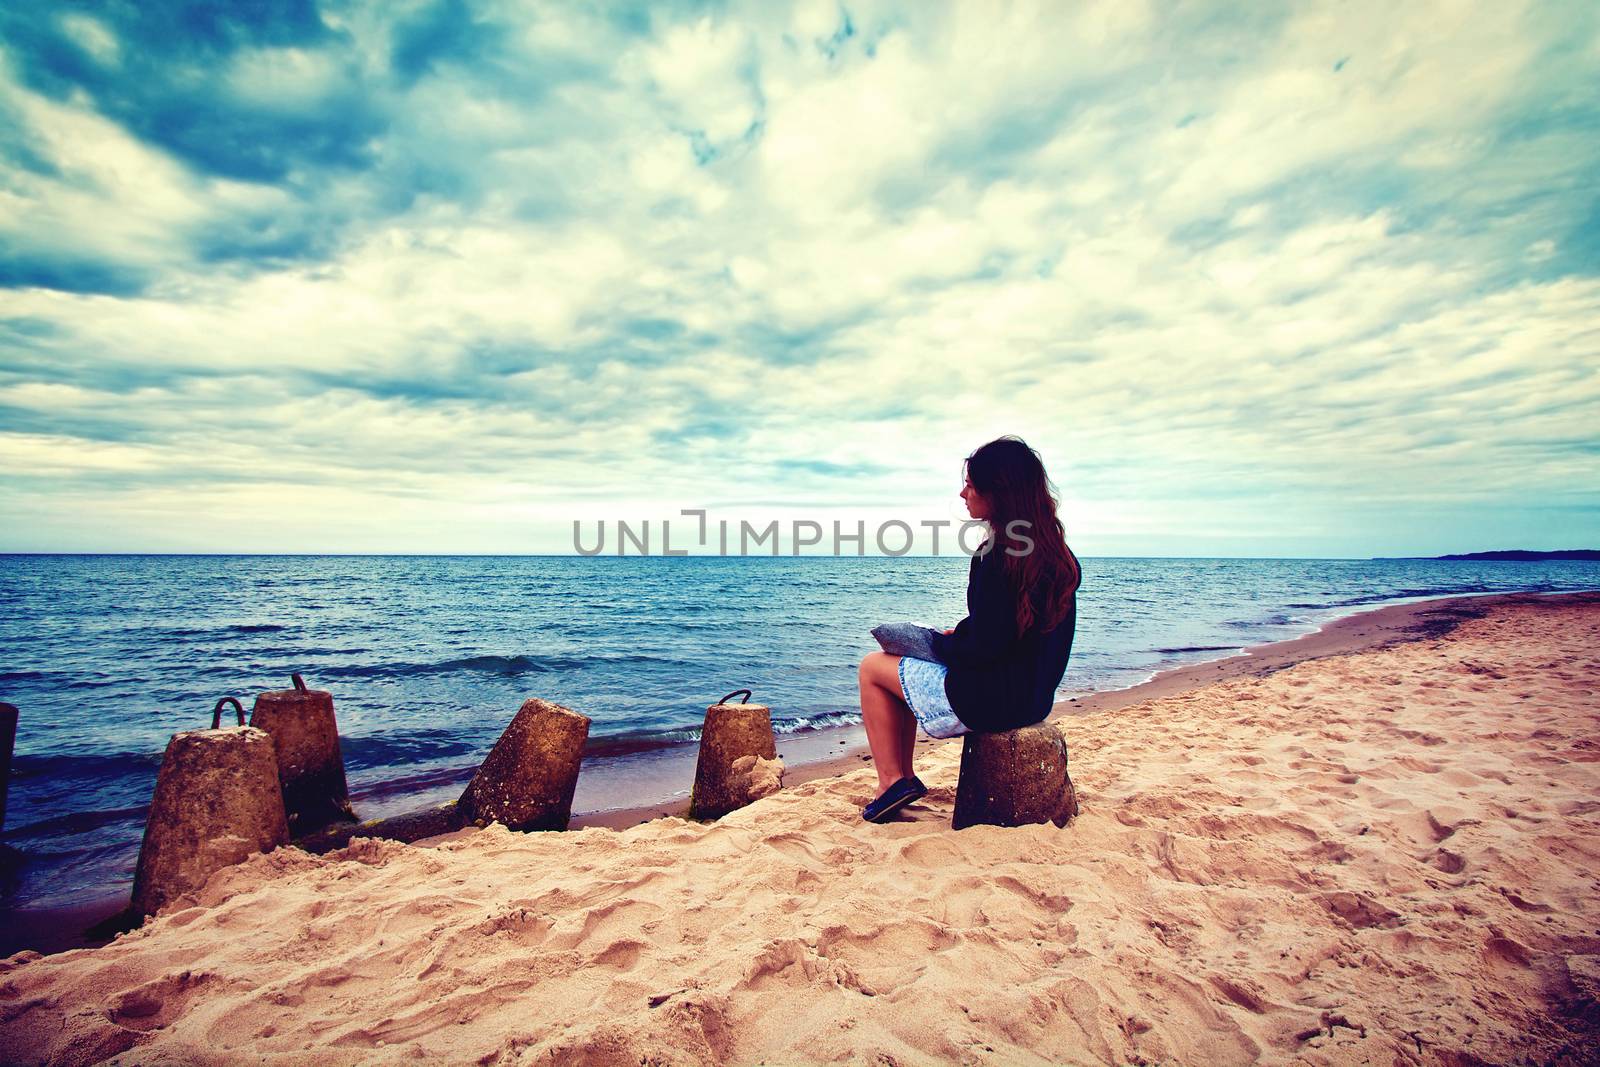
[
  {"x": 702, "y": 71},
  {"x": 111, "y": 194},
  {"x": 291, "y": 79},
  {"x": 91, "y": 35},
  {"x": 46, "y": 455},
  {"x": 1147, "y": 250},
  {"x": 107, "y": 196}
]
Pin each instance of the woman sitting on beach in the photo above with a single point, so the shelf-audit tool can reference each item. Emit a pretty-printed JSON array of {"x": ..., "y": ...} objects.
[{"x": 999, "y": 668}]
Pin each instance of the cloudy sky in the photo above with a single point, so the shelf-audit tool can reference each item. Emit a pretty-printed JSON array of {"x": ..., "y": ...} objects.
[{"x": 1255, "y": 279}]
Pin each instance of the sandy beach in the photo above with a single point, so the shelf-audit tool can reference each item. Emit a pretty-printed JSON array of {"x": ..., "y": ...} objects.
[{"x": 1376, "y": 845}]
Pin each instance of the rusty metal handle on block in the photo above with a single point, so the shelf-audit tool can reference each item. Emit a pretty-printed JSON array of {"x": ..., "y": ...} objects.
[
  {"x": 216, "y": 712},
  {"x": 299, "y": 682},
  {"x": 735, "y": 693}
]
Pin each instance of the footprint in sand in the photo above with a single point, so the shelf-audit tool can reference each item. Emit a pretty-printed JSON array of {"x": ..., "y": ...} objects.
[
  {"x": 878, "y": 957},
  {"x": 1055, "y": 902},
  {"x": 1523, "y": 904},
  {"x": 621, "y": 955},
  {"x": 1504, "y": 954},
  {"x": 785, "y": 961},
  {"x": 156, "y": 1004},
  {"x": 933, "y": 853},
  {"x": 1325, "y": 852},
  {"x": 1421, "y": 738},
  {"x": 1427, "y": 827},
  {"x": 1243, "y": 992},
  {"x": 1462, "y": 778},
  {"x": 798, "y": 848},
  {"x": 1359, "y": 910}
]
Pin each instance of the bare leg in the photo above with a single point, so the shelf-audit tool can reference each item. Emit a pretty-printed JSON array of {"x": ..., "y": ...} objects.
[
  {"x": 891, "y": 727},
  {"x": 908, "y": 721},
  {"x": 908, "y": 738}
]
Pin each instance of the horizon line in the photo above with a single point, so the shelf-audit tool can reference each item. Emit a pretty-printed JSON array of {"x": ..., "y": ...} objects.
[{"x": 713, "y": 555}]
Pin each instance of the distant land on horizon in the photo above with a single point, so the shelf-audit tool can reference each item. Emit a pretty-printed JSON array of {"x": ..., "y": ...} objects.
[{"x": 1517, "y": 555}]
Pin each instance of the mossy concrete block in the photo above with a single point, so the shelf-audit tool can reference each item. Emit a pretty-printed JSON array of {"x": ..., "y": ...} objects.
[
  {"x": 1015, "y": 778},
  {"x": 217, "y": 802},
  {"x": 531, "y": 773},
  {"x": 310, "y": 763},
  {"x": 731, "y": 733}
]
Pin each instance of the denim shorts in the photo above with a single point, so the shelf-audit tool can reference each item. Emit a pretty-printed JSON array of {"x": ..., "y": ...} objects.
[{"x": 922, "y": 681}]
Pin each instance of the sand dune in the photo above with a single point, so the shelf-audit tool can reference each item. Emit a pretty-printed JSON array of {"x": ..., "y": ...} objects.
[{"x": 1385, "y": 857}]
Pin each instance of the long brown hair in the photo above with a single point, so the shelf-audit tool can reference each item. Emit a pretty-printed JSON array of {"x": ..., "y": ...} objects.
[{"x": 1039, "y": 565}]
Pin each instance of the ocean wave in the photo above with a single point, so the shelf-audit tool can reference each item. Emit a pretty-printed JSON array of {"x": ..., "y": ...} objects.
[
  {"x": 503, "y": 665},
  {"x": 419, "y": 782},
  {"x": 63, "y": 680},
  {"x": 610, "y": 746},
  {"x": 397, "y": 748},
  {"x": 243, "y": 629},
  {"x": 77, "y": 822},
  {"x": 306, "y": 651},
  {"x": 1275, "y": 619},
  {"x": 97, "y": 766},
  {"x": 506, "y": 666},
  {"x": 804, "y": 724},
  {"x": 1427, "y": 591},
  {"x": 1195, "y": 648}
]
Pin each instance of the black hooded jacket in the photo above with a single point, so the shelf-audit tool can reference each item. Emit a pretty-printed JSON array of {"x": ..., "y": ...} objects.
[{"x": 997, "y": 680}]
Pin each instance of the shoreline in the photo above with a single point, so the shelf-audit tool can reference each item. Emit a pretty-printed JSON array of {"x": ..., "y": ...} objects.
[
  {"x": 1374, "y": 628},
  {"x": 63, "y": 928}
]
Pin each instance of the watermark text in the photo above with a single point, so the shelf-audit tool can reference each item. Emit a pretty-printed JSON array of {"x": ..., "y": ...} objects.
[{"x": 724, "y": 537}]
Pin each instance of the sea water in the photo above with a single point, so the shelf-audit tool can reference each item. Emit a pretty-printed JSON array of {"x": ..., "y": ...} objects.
[{"x": 428, "y": 658}]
